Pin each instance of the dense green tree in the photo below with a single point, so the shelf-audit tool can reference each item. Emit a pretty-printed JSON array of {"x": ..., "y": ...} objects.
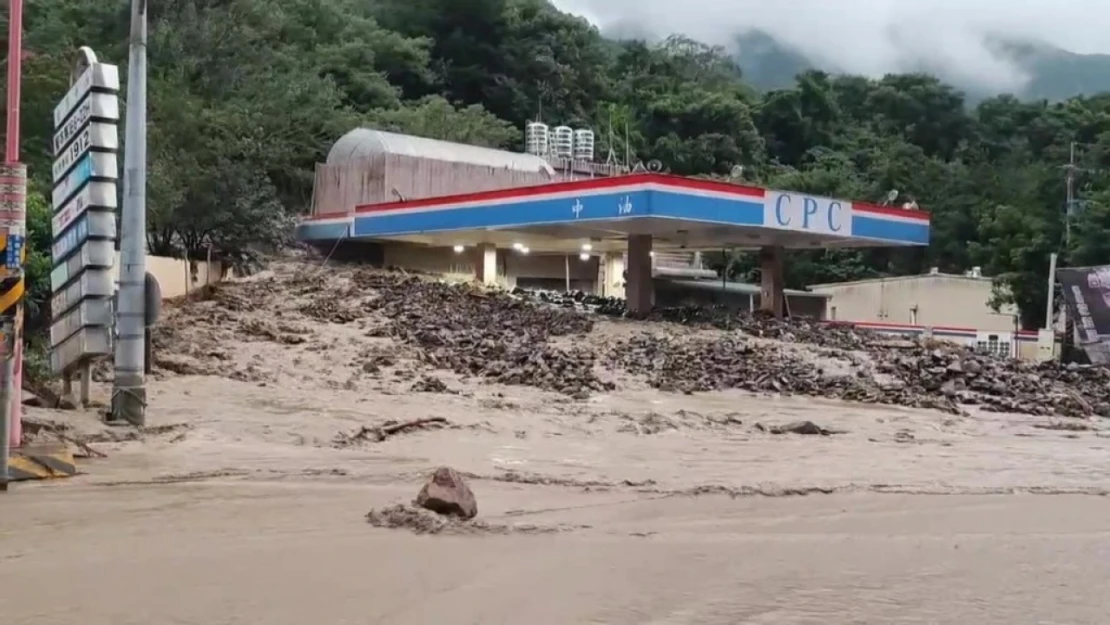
[{"x": 247, "y": 95}]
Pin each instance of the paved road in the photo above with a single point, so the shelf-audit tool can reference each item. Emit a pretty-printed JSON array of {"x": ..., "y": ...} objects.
[{"x": 290, "y": 553}]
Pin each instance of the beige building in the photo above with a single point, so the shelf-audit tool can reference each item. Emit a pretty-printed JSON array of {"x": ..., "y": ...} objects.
[
  {"x": 947, "y": 306},
  {"x": 934, "y": 299}
]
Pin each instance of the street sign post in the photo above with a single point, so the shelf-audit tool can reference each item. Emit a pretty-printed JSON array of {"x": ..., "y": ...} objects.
[{"x": 85, "y": 174}]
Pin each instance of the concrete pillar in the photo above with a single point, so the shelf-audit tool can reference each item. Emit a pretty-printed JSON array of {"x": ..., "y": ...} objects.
[
  {"x": 486, "y": 265},
  {"x": 640, "y": 294},
  {"x": 610, "y": 275},
  {"x": 773, "y": 279}
]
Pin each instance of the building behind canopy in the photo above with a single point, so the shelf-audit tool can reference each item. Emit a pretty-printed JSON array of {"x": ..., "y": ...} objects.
[{"x": 368, "y": 166}]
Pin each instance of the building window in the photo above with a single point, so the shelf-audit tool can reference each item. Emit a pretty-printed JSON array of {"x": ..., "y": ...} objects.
[
  {"x": 993, "y": 345},
  {"x": 832, "y": 313}
]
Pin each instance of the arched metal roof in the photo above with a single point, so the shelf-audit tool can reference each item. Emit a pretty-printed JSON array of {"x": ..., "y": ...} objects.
[{"x": 366, "y": 142}]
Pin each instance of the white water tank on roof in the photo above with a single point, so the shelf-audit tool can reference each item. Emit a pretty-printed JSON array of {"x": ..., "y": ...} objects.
[
  {"x": 537, "y": 139},
  {"x": 583, "y": 145},
  {"x": 562, "y": 142}
]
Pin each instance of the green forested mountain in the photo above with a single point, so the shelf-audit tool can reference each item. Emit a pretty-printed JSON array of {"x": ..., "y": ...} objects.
[{"x": 246, "y": 95}]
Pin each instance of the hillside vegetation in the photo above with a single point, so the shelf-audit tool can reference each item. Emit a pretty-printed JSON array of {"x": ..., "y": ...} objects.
[{"x": 246, "y": 95}]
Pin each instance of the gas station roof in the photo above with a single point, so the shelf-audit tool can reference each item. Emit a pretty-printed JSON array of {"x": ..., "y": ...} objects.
[{"x": 678, "y": 212}]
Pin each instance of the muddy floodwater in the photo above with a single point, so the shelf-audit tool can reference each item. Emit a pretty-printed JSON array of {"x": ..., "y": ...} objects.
[
  {"x": 294, "y": 552},
  {"x": 271, "y": 435}
]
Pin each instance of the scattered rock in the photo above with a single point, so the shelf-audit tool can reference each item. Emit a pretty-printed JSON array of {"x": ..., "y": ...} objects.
[
  {"x": 429, "y": 384},
  {"x": 447, "y": 493},
  {"x": 904, "y": 436},
  {"x": 31, "y": 399},
  {"x": 1065, "y": 426},
  {"x": 68, "y": 402},
  {"x": 651, "y": 423},
  {"x": 807, "y": 428},
  {"x": 379, "y": 433}
]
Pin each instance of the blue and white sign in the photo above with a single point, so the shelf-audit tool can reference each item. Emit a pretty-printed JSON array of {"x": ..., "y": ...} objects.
[
  {"x": 95, "y": 165},
  {"x": 13, "y": 258},
  {"x": 91, "y": 312},
  {"x": 93, "y": 283},
  {"x": 95, "y": 196},
  {"x": 95, "y": 136},
  {"x": 102, "y": 107},
  {"x": 94, "y": 253},
  {"x": 807, "y": 213},
  {"x": 88, "y": 343},
  {"x": 98, "y": 77},
  {"x": 85, "y": 174},
  {"x": 89, "y": 226}
]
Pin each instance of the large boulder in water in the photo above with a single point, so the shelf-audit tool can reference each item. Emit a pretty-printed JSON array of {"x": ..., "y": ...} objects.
[{"x": 448, "y": 494}]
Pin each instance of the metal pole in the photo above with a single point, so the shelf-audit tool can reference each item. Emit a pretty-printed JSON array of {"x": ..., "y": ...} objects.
[
  {"x": 1070, "y": 198},
  {"x": 129, "y": 392},
  {"x": 15, "y": 72},
  {"x": 1050, "y": 299}
]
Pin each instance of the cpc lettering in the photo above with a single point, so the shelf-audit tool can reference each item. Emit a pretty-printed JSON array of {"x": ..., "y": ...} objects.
[{"x": 810, "y": 208}]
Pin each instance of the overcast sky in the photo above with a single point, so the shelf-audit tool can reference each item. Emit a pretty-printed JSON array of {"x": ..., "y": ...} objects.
[{"x": 876, "y": 36}]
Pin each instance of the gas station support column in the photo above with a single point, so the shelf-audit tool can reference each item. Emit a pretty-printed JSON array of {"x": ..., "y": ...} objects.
[
  {"x": 772, "y": 278},
  {"x": 487, "y": 264},
  {"x": 639, "y": 290}
]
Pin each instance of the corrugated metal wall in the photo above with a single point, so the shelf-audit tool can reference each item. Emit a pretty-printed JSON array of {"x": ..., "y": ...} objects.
[{"x": 340, "y": 187}]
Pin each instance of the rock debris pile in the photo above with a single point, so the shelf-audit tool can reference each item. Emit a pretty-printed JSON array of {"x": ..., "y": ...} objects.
[
  {"x": 731, "y": 362},
  {"x": 998, "y": 384},
  {"x": 486, "y": 334},
  {"x": 922, "y": 375},
  {"x": 514, "y": 338},
  {"x": 759, "y": 324},
  {"x": 577, "y": 300}
]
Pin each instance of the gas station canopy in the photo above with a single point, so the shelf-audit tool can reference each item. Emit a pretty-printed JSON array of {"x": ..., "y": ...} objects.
[{"x": 676, "y": 212}]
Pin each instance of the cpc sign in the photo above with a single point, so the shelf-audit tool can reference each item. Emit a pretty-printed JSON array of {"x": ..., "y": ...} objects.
[{"x": 807, "y": 213}]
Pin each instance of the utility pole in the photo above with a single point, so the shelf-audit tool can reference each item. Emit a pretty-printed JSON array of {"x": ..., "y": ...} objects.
[
  {"x": 1070, "y": 202},
  {"x": 129, "y": 388},
  {"x": 13, "y": 215}
]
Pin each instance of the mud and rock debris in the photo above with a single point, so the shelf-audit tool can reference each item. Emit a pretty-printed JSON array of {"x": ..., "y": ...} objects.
[
  {"x": 484, "y": 334},
  {"x": 509, "y": 338},
  {"x": 421, "y": 521},
  {"x": 925, "y": 374},
  {"x": 730, "y": 362}
]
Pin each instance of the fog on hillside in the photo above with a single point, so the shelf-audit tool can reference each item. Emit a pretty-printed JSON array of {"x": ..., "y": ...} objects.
[{"x": 949, "y": 37}]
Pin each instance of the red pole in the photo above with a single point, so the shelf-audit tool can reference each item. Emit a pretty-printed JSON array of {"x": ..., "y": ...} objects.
[
  {"x": 15, "y": 71},
  {"x": 11, "y": 157}
]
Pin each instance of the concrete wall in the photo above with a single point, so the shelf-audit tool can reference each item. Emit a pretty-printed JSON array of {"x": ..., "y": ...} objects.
[
  {"x": 930, "y": 300},
  {"x": 174, "y": 275}
]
